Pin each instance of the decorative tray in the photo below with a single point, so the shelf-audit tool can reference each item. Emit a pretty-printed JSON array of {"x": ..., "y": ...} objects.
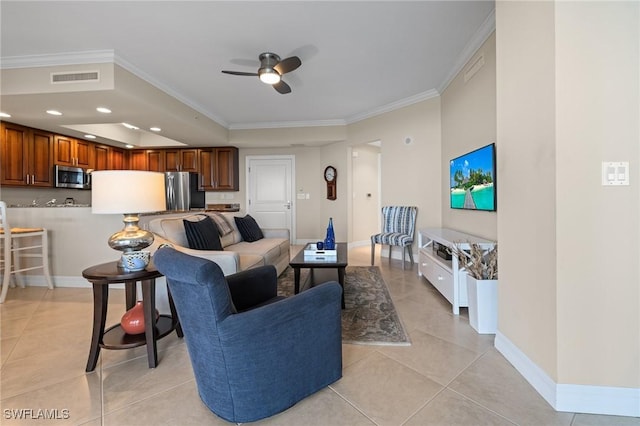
[{"x": 311, "y": 251}]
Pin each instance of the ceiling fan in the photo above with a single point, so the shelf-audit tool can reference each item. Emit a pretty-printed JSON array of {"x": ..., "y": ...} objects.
[{"x": 271, "y": 70}]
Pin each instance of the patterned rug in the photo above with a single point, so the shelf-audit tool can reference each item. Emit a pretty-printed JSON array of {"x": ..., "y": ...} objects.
[{"x": 369, "y": 317}]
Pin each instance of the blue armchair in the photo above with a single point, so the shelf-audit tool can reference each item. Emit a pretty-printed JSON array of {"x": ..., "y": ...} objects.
[
  {"x": 254, "y": 354},
  {"x": 398, "y": 228}
]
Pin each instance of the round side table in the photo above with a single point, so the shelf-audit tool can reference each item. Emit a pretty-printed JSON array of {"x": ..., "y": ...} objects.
[{"x": 101, "y": 276}]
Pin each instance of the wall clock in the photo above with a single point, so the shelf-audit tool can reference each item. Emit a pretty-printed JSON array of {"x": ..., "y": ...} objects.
[{"x": 330, "y": 176}]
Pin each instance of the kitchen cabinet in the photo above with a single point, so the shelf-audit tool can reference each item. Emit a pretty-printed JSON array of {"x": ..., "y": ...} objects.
[
  {"x": 152, "y": 160},
  {"x": 27, "y": 156},
  {"x": 117, "y": 158},
  {"x": 109, "y": 158},
  {"x": 181, "y": 160},
  {"x": 155, "y": 160},
  {"x": 73, "y": 152},
  {"x": 219, "y": 169}
]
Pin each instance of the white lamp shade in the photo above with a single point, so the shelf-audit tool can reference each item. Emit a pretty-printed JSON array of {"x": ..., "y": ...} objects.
[{"x": 127, "y": 191}]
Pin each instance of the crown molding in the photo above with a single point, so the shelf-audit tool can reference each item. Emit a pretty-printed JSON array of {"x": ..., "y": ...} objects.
[
  {"x": 394, "y": 106},
  {"x": 120, "y": 61},
  {"x": 68, "y": 58},
  {"x": 483, "y": 33},
  {"x": 286, "y": 124}
]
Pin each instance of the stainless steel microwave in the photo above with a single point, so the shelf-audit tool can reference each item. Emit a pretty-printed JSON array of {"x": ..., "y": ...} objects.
[{"x": 72, "y": 177}]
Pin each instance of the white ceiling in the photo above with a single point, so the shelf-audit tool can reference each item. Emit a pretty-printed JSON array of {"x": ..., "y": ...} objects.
[{"x": 359, "y": 59}]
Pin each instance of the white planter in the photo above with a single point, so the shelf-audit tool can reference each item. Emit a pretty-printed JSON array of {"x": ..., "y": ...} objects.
[{"x": 483, "y": 305}]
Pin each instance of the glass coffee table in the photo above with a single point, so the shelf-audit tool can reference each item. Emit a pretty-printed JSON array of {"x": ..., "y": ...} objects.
[{"x": 338, "y": 262}]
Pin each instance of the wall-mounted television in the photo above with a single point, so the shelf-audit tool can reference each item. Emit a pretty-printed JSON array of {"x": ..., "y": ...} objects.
[{"x": 472, "y": 178}]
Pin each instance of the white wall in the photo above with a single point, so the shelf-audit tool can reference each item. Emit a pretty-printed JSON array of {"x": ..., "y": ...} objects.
[
  {"x": 468, "y": 123},
  {"x": 569, "y": 98},
  {"x": 597, "y": 119},
  {"x": 410, "y": 173}
]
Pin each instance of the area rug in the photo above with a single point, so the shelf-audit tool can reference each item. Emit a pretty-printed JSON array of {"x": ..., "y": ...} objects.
[{"x": 369, "y": 317}]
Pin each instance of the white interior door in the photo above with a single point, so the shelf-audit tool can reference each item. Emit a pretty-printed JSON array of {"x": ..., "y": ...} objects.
[{"x": 270, "y": 191}]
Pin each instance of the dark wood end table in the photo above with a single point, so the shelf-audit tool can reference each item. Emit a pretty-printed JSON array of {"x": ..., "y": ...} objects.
[
  {"x": 101, "y": 276},
  {"x": 339, "y": 263}
]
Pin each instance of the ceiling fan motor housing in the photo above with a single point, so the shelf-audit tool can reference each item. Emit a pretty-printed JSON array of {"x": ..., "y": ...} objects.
[{"x": 267, "y": 72}]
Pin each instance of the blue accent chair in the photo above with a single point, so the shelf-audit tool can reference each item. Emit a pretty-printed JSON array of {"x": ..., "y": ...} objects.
[
  {"x": 254, "y": 354},
  {"x": 398, "y": 228}
]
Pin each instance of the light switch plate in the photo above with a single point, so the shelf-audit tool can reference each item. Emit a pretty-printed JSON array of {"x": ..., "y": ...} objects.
[{"x": 615, "y": 173}]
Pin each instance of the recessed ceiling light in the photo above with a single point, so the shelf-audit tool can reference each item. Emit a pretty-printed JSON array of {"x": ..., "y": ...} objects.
[
  {"x": 103, "y": 110},
  {"x": 155, "y": 129},
  {"x": 128, "y": 146},
  {"x": 90, "y": 136},
  {"x": 130, "y": 126},
  {"x": 53, "y": 112},
  {"x": 4, "y": 115}
]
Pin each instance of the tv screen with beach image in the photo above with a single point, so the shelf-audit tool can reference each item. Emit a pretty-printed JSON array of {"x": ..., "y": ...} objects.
[{"x": 472, "y": 178}]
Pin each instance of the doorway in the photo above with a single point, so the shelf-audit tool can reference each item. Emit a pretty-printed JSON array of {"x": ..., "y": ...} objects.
[
  {"x": 366, "y": 186},
  {"x": 270, "y": 197}
]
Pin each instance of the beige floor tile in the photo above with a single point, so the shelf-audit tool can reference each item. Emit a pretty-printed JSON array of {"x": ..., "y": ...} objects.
[
  {"x": 18, "y": 309},
  {"x": 452, "y": 409},
  {"x": 69, "y": 294},
  {"x": 445, "y": 325},
  {"x": 437, "y": 359},
  {"x": 109, "y": 358},
  {"x": 493, "y": 383},
  {"x": 353, "y": 353},
  {"x": 72, "y": 402},
  {"x": 41, "y": 369},
  {"x": 601, "y": 420},
  {"x": 93, "y": 422},
  {"x": 18, "y": 294},
  {"x": 179, "y": 405},
  {"x": 321, "y": 409},
  {"x": 56, "y": 338},
  {"x": 134, "y": 381},
  {"x": 13, "y": 327},
  {"x": 6, "y": 347},
  {"x": 384, "y": 389}
]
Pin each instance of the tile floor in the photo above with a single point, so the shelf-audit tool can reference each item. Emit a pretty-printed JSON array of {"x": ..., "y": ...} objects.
[{"x": 450, "y": 375}]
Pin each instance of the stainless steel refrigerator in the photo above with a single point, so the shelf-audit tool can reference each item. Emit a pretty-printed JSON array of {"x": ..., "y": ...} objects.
[{"x": 182, "y": 191}]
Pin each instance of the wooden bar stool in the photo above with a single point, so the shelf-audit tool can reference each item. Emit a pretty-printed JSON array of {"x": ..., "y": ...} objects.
[{"x": 13, "y": 252}]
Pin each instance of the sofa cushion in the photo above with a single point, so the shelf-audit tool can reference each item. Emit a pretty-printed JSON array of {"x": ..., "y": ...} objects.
[
  {"x": 248, "y": 228},
  {"x": 202, "y": 234},
  {"x": 224, "y": 227},
  {"x": 269, "y": 248}
]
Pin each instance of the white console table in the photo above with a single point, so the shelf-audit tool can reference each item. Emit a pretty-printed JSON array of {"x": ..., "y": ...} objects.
[{"x": 446, "y": 275}]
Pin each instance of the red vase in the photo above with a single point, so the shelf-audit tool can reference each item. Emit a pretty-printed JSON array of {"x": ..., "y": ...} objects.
[{"x": 132, "y": 321}]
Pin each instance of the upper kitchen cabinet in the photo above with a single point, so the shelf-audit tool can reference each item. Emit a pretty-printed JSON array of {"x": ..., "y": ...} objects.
[
  {"x": 73, "y": 152},
  {"x": 181, "y": 160},
  {"x": 27, "y": 156},
  {"x": 152, "y": 160},
  {"x": 219, "y": 169},
  {"x": 109, "y": 158}
]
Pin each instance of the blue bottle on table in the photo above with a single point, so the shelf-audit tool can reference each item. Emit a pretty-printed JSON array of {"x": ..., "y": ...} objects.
[{"x": 330, "y": 239}]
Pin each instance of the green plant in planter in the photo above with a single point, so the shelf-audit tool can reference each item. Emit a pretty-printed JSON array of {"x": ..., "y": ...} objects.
[{"x": 479, "y": 264}]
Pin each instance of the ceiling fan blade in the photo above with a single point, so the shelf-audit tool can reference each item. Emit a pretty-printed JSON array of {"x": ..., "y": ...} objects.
[
  {"x": 288, "y": 65},
  {"x": 252, "y": 74},
  {"x": 282, "y": 87}
]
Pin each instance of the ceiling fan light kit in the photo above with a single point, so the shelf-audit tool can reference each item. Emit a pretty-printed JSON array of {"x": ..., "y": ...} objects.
[
  {"x": 269, "y": 75},
  {"x": 271, "y": 70}
]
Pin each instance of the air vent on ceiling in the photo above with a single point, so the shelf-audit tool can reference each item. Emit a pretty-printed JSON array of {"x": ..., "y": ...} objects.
[{"x": 75, "y": 77}]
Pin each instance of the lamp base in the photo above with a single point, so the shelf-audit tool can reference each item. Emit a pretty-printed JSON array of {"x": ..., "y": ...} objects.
[{"x": 131, "y": 238}]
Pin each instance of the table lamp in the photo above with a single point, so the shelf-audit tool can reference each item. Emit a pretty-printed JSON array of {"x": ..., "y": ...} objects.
[{"x": 128, "y": 192}]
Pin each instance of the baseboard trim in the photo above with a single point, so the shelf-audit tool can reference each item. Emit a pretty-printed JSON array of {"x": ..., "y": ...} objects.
[{"x": 568, "y": 397}]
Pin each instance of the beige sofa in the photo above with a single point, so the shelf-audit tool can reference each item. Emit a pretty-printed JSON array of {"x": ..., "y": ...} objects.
[{"x": 238, "y": 255}]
